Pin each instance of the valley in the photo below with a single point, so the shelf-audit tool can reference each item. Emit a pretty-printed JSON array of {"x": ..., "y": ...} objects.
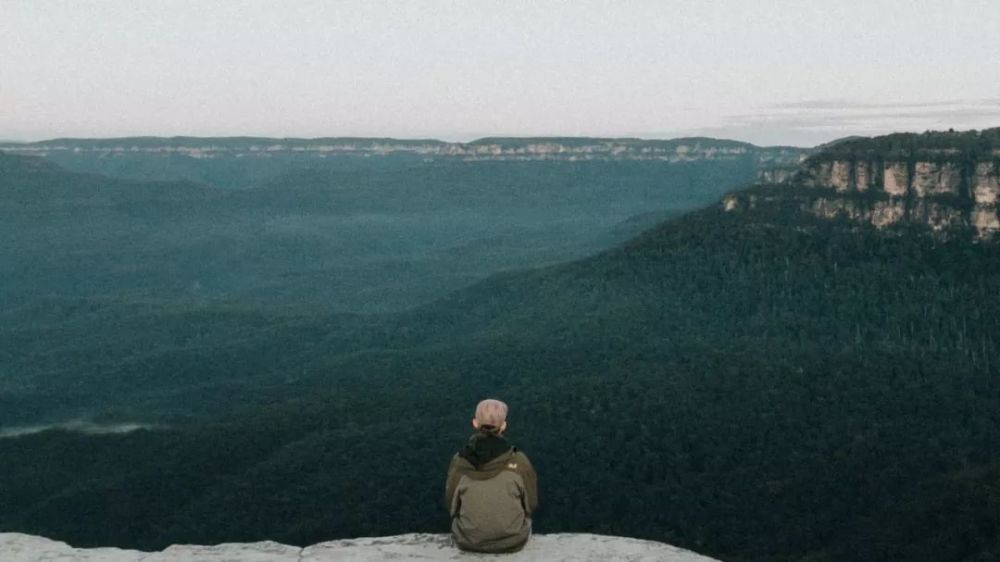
[{"x": 752, "y": 380}]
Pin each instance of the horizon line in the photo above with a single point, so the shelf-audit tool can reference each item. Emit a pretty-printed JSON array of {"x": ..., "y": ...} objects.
[
  {"x": 647, "y": 137},
  {"x": 471, "y": 140}
]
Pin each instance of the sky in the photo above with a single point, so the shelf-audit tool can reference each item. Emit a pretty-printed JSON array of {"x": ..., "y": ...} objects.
[{"x": 797, "y": 72}]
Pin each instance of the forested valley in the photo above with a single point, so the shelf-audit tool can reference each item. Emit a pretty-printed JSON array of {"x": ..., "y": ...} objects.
[{"x": 760, "y": 385}]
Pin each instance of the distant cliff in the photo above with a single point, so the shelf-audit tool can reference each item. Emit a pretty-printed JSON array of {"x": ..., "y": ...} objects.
[
  {"x": 496, "y": 148},
  {"x": 16, "y": 547},
  {"x": 946, "y": 181}
]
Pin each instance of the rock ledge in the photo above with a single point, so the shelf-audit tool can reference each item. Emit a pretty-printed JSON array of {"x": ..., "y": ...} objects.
[{"x": 17, "y": 547}]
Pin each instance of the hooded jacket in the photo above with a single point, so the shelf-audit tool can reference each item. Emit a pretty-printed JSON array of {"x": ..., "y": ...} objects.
[{"x": 491, "y": 492}]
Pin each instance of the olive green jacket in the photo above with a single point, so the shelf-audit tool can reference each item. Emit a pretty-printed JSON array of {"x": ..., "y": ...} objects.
[{"x": 491, "y": 505}]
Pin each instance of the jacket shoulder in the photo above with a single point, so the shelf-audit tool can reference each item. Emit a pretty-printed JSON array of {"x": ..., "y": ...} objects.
[
  {"x": 458, "y": 462},
  {"x": 518, "y": 460},
  {"x": 520, "y": 455}
]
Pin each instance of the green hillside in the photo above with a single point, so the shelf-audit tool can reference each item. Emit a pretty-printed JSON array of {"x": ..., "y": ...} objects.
[{"x": 751, "y": 385}]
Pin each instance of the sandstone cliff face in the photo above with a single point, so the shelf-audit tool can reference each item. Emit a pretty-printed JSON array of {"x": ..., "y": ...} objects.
[
  {"x": 776, "y": 174},
  {"x": 947, "y": 182},
  {"x": 896, "y": 178},
  {"x": 16, "y": 547},
  {"x": 986, "y": 188},
  {"x": 942, "y": 188},
  {"x": 864, "y": 175},
  {"x": 931, "y": 178},
  {"x": 885, "y": 213},
  {"x": 985, "y": 220}
]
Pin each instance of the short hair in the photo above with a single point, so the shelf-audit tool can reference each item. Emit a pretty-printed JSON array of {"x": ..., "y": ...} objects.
[{"x": 491, "y": 412}]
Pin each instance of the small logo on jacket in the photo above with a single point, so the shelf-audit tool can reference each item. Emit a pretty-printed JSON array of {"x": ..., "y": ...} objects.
[{"x": 512, "y": 465}]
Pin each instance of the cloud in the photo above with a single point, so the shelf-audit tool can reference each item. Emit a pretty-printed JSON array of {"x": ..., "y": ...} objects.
[
  {"x": 848, "y": 105},
  {"x": 958, "y": 116},
  {"x": 811, "y": 122},
  {"x": 78, "y": 426}
]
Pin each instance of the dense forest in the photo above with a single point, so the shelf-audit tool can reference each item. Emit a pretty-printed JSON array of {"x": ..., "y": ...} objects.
[
  {"x": 931, "y": 145},
  {"x": 179, "y": 298},
  {"x": 758, "y": 385}
]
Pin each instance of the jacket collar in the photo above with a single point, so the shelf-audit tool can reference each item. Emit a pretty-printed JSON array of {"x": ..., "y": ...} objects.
[{"x": 483, "y": 447}]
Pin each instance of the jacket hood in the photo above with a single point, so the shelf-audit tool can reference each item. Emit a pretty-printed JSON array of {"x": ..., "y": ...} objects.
[{"x": 488, "y": 453}]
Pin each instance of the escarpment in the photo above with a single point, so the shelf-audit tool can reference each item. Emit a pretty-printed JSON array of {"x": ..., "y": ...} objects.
[
  {"x": 948, "y": 182},
  {"x": 494, "y": 149}
]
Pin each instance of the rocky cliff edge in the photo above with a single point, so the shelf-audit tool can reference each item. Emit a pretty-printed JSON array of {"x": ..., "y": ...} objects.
[
  {"x": 17, "y": 547},
  {"x": 945, "y": 181}
]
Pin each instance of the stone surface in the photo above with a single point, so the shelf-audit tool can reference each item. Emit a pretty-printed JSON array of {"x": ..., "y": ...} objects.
[
  {"x": 887, "y": 213},
  {"x": 776, "y": 175},
  {"x": 840, "y": 175},
  {"x": 896, "y": 180},
  {"x": 931, "y": 178},
  {"x": 864, "y": 175},
  {"x": 986, "y": 221},
  {"x": 940, "y": 217},
  {"x": 986, "y": 184},
  {"x": 17, "y": 547}
]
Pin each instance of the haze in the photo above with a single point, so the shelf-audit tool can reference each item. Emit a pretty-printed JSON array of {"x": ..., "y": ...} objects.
[{"x": 774, "y": 72}]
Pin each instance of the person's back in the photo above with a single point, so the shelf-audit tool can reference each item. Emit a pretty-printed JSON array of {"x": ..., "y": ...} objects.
[{"x": 492, "y": 488}]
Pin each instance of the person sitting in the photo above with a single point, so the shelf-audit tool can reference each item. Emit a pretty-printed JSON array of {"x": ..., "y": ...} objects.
[{"x": 492, "y": 489}]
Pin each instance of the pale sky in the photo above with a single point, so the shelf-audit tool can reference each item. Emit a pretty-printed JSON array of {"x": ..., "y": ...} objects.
[{"x": 764, "y": 71}]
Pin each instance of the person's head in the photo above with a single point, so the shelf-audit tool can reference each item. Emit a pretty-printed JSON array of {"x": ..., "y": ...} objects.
[{"x": 491, "y": 415}]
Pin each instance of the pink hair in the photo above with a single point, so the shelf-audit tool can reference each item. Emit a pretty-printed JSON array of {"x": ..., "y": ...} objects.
[{"x": 491, "y": 412}]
